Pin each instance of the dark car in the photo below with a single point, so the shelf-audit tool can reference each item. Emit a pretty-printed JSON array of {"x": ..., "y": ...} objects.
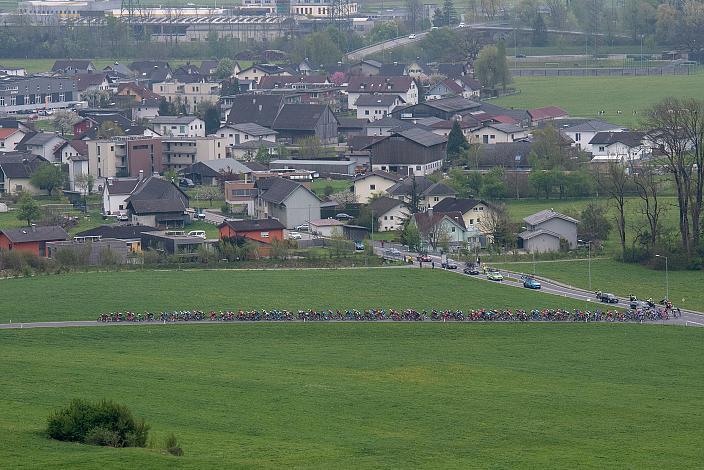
[
  {"x": 186, "y": 183},
  {"x": 358, "y": 245},
  {"x": 424, "y": 258},
  {"x": 343, "y": 216},
  {"x": 449, "y": 264},
  {"x": 607, "y": 298},
  {"x": 471, "y": 269}
]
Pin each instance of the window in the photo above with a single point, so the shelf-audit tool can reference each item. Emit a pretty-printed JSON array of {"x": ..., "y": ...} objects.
[
  {"x": 391, "y": 217},
  {"x": 2, "y": 101},
  {"x": 492, "y": 136},
  {"x": 372, "y": 187},
  {"x": 386, "y": 217},
  {"x": 436, "y": 198},
  {"x": 453, "y": 229},
  {"x": 122, "y": 206},
  {"x": 264, "y": 234},
  {"x": 366, "y": 112},
  {"x": 417, "y": 167},
  {"x": 471, "y": 221},
  {"x": 602, "y": 148},
  {"x": 577, "y": 137}
]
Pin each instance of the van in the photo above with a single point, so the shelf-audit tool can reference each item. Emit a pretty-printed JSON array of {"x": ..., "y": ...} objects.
[{"x": 197, "y": 233}]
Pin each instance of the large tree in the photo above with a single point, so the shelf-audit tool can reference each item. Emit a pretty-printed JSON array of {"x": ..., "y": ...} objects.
[
  {"x": 48, "y": 177},
  {"x": 491, "y": 67},
  {"x": 210, "y": 114},
  {"x": 28, "y": 209},
  {"x": 614, "y": 181},
  {"x": 456, "y": 141}
]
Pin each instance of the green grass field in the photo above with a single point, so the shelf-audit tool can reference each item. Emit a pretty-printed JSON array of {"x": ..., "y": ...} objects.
[
  {"x": 83, "y": 296},
  {"x": 365, "y": 395},
  {"x": 586, "y": 96},
  {"x": 623, "y": 279}
]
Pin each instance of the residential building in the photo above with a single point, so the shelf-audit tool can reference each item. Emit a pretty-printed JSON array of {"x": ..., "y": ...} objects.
[
  {"x": 437, "y": 229},
  {"x": 87, "y": 83},
  {"x": 322, "y": 9},
  {"x": 158, "y": 203},
  {"x": 43, "y": 144},
  {"x": 33, "y": 92},
  {"x": 173, "y": 243},
  {"x": 471, "y": 88},
  {"x": 584, "y": 131},
  {"x": 124, "y": 156},
  {"x": 248, "y": 150},
  {"x": 209, "y": 172},
  {"x": 130, "y": 235},
  {"x": 72, "y": 66},
  {"x": 115, "y": 194},
  {"x": 421, "y": 189},
  {"x": 410, "y": 152},
  {"x": 288, "y": 201},
  {"x": 373, "y": 184},
  {"x": 16, "y": 169},
  {"x": 74, "y": 154},
  {"x": 328, "y": 228},
  {"x": 365, "y": 68},
  {"x": 390, "y": 213},
  {"x": 374, "y": 107},
  {"x": 94, "y": 120},
  {"x": 476, "y": 213},
  {"x": 299, "y": 121},
  {"x": 257, "y": 71},
  {"x": 323, "y": 168},
  {"x": 258, "y": 109},
  {"x": 261, "y": 231},
  {"x": 31, "y": 239},
  {"x": 9, "y": 138},
  {"x": 498, "y": 133},
  {"x": 241, "y": 197},
  {"x": 179, "y": 126},
  {"x": 236, "y": 134},
  {"x": 444, "y": 89},
  {"x": 13, "y": 71},
  {"x": 619, "y": 147},
  {"x": 182, "y": 152},
  {"x": 547, "y": 113},
  {"x": 404, "y": 87},
  {"x": 188, "y": 94},
  {"x": 546, "y": 229}
]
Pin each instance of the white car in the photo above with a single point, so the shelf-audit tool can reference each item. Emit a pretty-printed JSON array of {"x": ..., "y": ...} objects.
[
  {"x": 123, "y": 218},
  {"x": 412, "y": 36},
  {"x": 461, "y": 25},
  {"x": 303, "y": 227},
  {"x": 197, "y": 233},
  {"x": 294, "y": 236}
]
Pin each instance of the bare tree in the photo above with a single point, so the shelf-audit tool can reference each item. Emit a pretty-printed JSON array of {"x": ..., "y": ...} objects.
[
  {"x": 496, "y": 223},
  {"x": 615, "y": 183},
  {"x": 647, "y": 184}
]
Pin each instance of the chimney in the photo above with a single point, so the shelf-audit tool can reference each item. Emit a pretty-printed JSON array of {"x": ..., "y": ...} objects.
[
  {"x": 430, "y": 211},
  {"x": 141, "y": 175},
  {"x": 260, "y": 108},
  {"x": 110, "y": 181},
  {"x": 33, "y": 227}
]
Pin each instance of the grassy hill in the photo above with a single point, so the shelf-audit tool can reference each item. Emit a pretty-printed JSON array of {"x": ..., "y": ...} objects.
[
  {"x": 586, "y": 96},
  {"x": 365, "y": 395}
]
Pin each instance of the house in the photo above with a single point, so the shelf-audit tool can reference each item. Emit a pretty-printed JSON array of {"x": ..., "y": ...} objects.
[
  {"x": 137, "y": 93},
  {"x": 248, "y": 150},
  {"x": 547, "y": 113},
  {"x": 546, "y": 229},
  {"x": 288, "y": 201},
  {"x": 467, "y": 126},
  {"x": 619, "y": 147},
  {"x": 31, "y": 239},
  {"x": 410, "y": 152},
  {"x": 128, "y": 156},
  {"x": 421, "y": 189},
  {"x": 444, "y": 108},
  {"x": 18, "y": 94},
  {"x": 299, "y": 121},
  {"x": 583, "y": 131},
  {"x": 9, "y": 138},
  {"x": 236, "y": 134},
  {"x": 173, "y": 243},
  {"x": 365, "y": 68},
  {"x": 120, "y": 69},
  {"x": 151, "y": 71},
  {"x": 188, "y": 95},
  {"x": 444, "y": 89},
  {"x": 471, "y": 88},
  {"x": 476, "y": 213},
  {"x": 70, "y": 67},
  {"x": 130, "y": 235},
  {"x": 181, "y": 152},
  {"x": 73, "y": 154},
  {"x": 390, "y": 213},
  {"x": 372, "y": 184},
  {"x": 43, "y": 144},
  {"x": 188, "y": 73},
  {"x": 404, "y": 87},
  {"x": 324, "y": 168},
  {"x": 240, "y": 196},
  {"x": 438, "y": 229},
  {"x": 94, "y": 120},
  {"x": 13, "y": 71},
  {"x": 383, "y": 126},
  {"x": 158, "y": 203},
  {"x": 328, "y": 228},
  {"x": 179, "y": 126},
  {"x": 374, "y": 107},
  {"x": 262, "y": 231},
  {"x": 257, "y": 71},
  {"x": 209, "y": 172},
  {"x": 115, "y": 194},
  {"x": 259, "y": 109},
  {"x": 498, "y": 133},
  {"x": 90, "y": 82},
  {"x": 452, "y": 70},
  {"x": 349, "y": 126},
  {"x": 16, "y": 169}
]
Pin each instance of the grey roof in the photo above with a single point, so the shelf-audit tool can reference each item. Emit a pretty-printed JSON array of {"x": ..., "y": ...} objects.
[
  {"x": 255, "y": 166},
  {"x": 451, "y": 204},
  {"x": 377, "y": 100},
  {"x": 393, "y": 69},
  {"x": 156, "y": 195},
  {"x": 384, "y": 204},
  {"x": 259, "y": 109},
  {"x": 439, "y": 189},
  {"x": 20, "y": 164},
  {"x": 253, "y": 225},
  {"x": 300, "y": 116},
  {"x": 41, "y": 138},
  {"x": 174, "y": 119},
  {"x": 35, "y": 234},
  {"x": 528, "y": 234},
  {"x": 225, "y": 163},
  {"x": 506, "y": 128},
  {"x": 593, "y": 125},
  {"x": 387, "y": 122},
  {"x": 121, "y": 232},
  {"x": 277, "y": 163},
  {"x": 453, "y": 70},
  {"x": 252, "y": 128},
  {"x": 278, "y": 189},
  {"x": 351, "y": 122},
  {"x": 380, "y": 174},
  {"x": 422, "y": 137},
  {"x": 630, "y": 138},
  {"x": 121, "y": 186},
  {"x": 428, "y": 121},
  {"x": 63, "y": 64},
  {"x": 453, "y": 104},
  {"x": 405, "y": 186},
  {"x": 545, "y": 215}
]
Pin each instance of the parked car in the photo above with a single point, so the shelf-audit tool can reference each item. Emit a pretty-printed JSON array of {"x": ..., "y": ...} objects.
[
  {"x": 495, "y": 276},
  {"x": 186, "y": 183},
  {"x": 123, "y": 218},
  {"x": 411, "y": 36},
  {"x": 302, "y": 228},
  {"x": 358, "y": 245},
  {"x": 343, "y": 216},
  {"x": 471, "y": 269},
  {"x": 197, "y": 233},
  {"x": 294, "y": 236},
  {"x": 424, "y": 258},
  {"x": 530, "y": 283},
  {"x": 392, "y": 252},
  {"x": 449, "y": 264},
  {"x": 461, "y": 25},
  {"x": 607, "y": 298}
]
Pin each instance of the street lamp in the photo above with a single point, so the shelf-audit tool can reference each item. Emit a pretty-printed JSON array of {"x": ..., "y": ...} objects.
[
  {"x": 667, "y": 278},
  {"x": 589, "y": 258}
]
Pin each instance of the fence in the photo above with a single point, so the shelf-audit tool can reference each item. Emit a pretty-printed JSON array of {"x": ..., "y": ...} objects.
[{"x": 603, "y": 72}]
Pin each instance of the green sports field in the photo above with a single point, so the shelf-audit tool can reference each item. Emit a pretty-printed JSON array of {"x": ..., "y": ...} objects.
[
  {"x": 366, "y": 395},
  {"x": 83, "y": 296},
  {"x": 586, "y": 96}
]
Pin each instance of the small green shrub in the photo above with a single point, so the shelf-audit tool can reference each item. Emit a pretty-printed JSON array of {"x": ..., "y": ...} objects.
[
  {"x": 104, "y": 423},
  {"x": 172, "y": 446}
]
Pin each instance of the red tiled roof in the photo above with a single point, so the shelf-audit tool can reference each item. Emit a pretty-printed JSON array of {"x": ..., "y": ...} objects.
[
  {"x": 379, "y": 84},
  {"x": 7, "y": 132},
  {"x": 548, "y": 112}
]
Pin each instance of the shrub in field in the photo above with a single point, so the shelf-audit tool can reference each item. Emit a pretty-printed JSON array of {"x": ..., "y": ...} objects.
[
  {"x": 172, "y": 446},
  {"x": 104, "y": 423}
]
